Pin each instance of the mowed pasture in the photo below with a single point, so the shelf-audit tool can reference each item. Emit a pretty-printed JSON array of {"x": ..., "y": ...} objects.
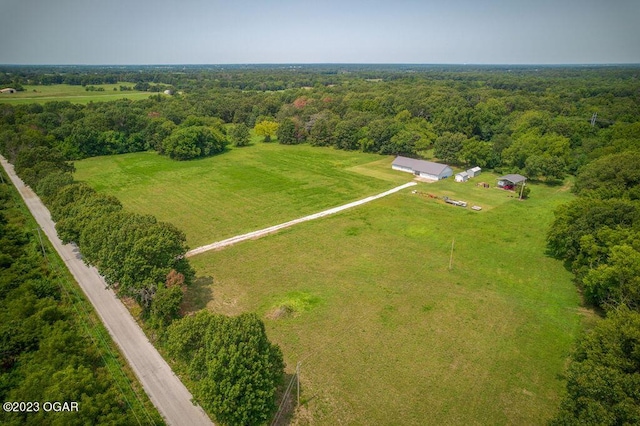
[
  {"x": 239, "y": 191},
  {"x": 365, "y": 299},
  {"x": 71, "y": 93},
  {"x": 386, "y": 333}
]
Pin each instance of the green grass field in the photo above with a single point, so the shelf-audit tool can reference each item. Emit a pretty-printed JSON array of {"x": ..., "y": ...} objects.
[
  {"x": 239, "y": 191},
  {"x": 66, "y": 92},
  {"x": 386, "y": 333}
]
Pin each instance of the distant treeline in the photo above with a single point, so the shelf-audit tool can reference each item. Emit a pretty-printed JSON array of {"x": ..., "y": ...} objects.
[
  {"x": 287, "y": 76},
  {"x": 543, "y": 123}
]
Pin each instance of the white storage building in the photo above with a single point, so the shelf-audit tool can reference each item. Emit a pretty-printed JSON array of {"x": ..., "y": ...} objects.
[
  {"x": 473, "y": 172},
  {"x": 462, "y": 177},
  {"x": 422, "y": 168}
]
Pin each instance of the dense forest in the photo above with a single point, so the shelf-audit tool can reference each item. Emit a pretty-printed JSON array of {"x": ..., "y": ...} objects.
[{"x": 547, "y": 123}]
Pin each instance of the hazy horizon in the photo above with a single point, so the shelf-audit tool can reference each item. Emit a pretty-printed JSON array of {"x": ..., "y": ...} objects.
[
  {"x": 166, "y": 32},
  {"x": 290, "y": 64}
]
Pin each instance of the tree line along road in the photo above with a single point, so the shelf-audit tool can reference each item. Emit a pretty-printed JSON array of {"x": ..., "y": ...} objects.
[{"x": 165, "y": 390}]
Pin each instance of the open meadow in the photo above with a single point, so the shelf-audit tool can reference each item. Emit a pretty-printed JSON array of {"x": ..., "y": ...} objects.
[
  {"x": 365, "y": 299},
  {"x": 241, "y": 190},
  {"x": 71, "y": 93}
]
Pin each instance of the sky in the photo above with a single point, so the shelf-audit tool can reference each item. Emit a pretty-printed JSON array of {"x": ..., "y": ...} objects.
[{"x": 101, "y": 32}]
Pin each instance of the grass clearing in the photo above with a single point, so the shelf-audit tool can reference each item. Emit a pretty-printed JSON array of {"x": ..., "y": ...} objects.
[
  {"x": 239, "y": 191},
  {"x": 386, "y": 332},
  {"x": 71, "y": 93},
  {"x": 394, "y": 336}
]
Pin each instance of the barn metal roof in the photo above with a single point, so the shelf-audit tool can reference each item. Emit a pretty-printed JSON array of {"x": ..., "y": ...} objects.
[
  {"x": 513, "y": 178},
  {"x": 422, "y": 166}
]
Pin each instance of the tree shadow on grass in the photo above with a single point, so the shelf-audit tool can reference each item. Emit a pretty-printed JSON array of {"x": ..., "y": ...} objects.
[{"x": 198, "y": 294}]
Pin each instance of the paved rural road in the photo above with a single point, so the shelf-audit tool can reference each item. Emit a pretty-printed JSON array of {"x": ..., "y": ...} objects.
[
  {"x": 266, "y": 231},
  {"x": 166, "y": 391}
]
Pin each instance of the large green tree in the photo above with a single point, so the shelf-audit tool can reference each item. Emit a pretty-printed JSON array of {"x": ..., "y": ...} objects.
[
  {"x": 603, "y": 381},
  {"x": 347, "y": 135},
  {"x": 190, "y": 142},
  {"x": 36, "y": 163},
  {"x": 239, "y": 135},
  {"x": 322, "y": 131},
  {"x": 267, "y": 129},
  {"x": 236, "y": 369},
  {"x": 135, "y": 252},
  {"x": 612, "y": 176},
  {"x": 549, "y": 148},
  {"x": 544, "y": 166},
  {"x": 448, "y": 146},
  {"x": 580, "y": 218},
  {"x": 287, "y": 132},
  {"x": 478, "y": 153},
  {"x": 617, "y": 280}
]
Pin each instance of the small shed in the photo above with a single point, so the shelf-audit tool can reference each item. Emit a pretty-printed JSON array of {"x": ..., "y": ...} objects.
[
  {"x": 422, "y": 168},
  {"x": 462, "y": 177},
  {"x": 473, "y": 172},
  {"x": 8, "y": 90},
  {"x": 510, "y": 181}
]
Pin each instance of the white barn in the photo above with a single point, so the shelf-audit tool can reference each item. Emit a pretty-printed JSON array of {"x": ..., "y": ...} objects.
[{"x": 424, "y": 169}]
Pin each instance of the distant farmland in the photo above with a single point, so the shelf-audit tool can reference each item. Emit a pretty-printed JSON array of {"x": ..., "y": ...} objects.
[
  {"x": 71, "y": 93},
  {"x": 386, "y": 333}
]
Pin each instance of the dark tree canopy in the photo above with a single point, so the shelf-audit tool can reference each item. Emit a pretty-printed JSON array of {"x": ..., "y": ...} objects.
[
  {"x": 239, "y": 135},
  {"x": 581, "y": 217},
  {"x": 287, "y": 132},
  {"x": 193, "y": 142},
  {"x": 598, "y": 235},
  {"x": 612, "y": 176},
  {"x": 236, "y": 369},
  {"x": 448, "y": 146},
  {"x": 604, "y": 377}
]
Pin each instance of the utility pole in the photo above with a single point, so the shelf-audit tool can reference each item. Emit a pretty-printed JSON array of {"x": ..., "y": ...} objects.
[
  {"x": 298, "y": 380},
  {"x": 41, "y": 245},
  {"x": 522, "y": 189},
  {"x": 453, "y": 242}
]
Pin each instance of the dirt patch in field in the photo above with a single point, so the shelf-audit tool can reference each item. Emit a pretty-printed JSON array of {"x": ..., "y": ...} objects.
[{"x": 280, "y": 312}]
